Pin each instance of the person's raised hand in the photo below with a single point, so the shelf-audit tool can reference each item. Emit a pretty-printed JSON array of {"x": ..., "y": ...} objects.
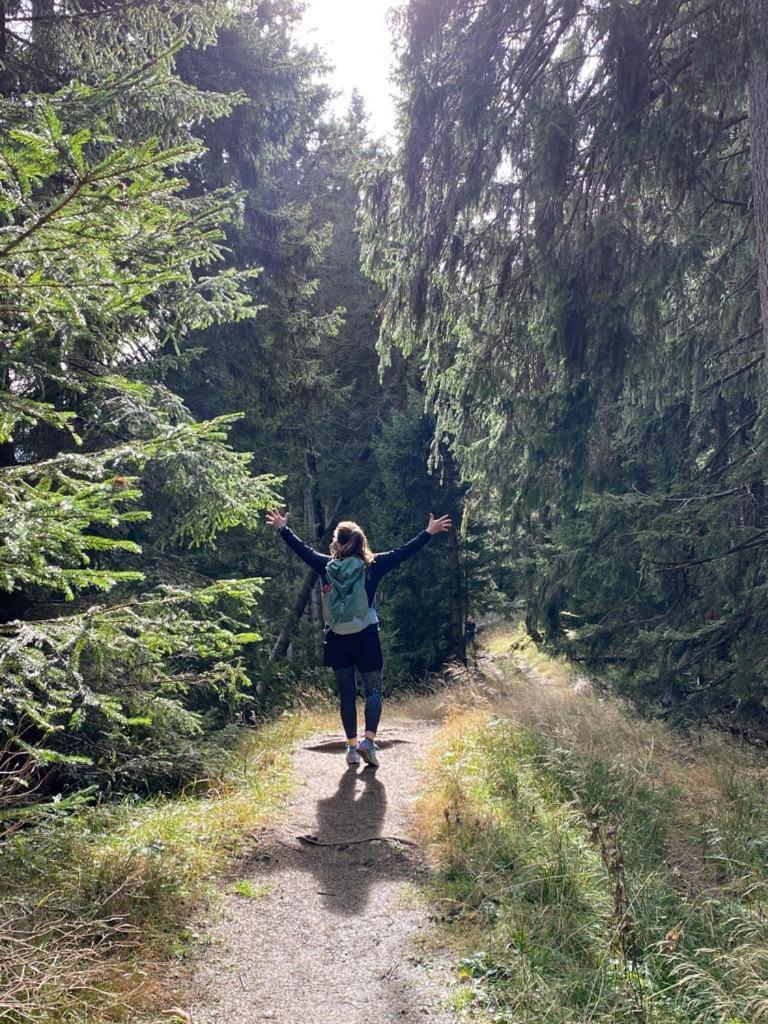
[
  {"x": 277, "y": 518},
  {"x": 439, "y": 525}
]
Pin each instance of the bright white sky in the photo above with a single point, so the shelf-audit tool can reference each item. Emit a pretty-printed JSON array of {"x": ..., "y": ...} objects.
[{"x": 355, "y": 36}]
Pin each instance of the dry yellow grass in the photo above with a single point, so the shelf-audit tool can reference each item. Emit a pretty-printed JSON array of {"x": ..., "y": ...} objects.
[
  {"x": 529, "y": 732},
  {"x": 540, "y": 692},
  {"x": 93, "y": 911}
]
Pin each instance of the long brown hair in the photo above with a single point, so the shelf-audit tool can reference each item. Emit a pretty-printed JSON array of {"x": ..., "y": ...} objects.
[{"x": 349, "y": 539}]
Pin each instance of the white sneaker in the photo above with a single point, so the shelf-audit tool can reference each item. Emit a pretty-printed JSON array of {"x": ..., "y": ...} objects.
[
  {"x": 352, "y": 756},
  {"x": 368, "y": 750}
]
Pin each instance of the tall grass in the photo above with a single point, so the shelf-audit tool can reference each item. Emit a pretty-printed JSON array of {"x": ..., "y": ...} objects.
[
  {"x": 597, "y": 867},
  {"x": 92, "y": 905}
]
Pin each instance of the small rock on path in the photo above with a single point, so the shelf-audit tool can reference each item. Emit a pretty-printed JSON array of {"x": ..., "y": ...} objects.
[{"x": 335, "y": 934}]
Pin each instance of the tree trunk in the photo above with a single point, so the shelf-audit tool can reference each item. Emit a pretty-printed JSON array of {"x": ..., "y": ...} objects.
[
  {"x": 315, "y": 601},
  {"x": 315, "y": 509},
  {"x": 280, "y": 650},
  {"x": 457, "y": 597},
  {"x": 529, "y": 585},
  {"x": 13, "y": 604},
  {"x": 758, "y": 132},
  {"x": 456, "y": 584},
  {"x": 5, "y": 78},
  {"x": 314, "y": 519},
  {"x": 7, "y": 448}
]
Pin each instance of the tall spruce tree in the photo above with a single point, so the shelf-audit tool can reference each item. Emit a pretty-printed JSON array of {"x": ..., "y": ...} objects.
[
  {"x": 105, "y": 261},
  {"x": 570, "y": 241}
]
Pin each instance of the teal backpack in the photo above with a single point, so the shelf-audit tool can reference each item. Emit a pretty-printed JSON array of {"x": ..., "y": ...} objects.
[{"x": 345, "y": 602}]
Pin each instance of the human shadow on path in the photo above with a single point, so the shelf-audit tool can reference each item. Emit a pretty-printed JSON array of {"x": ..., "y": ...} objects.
[
  {"x": 304, "y": 936},
  {"x": 346, "y": 869},
  {"x": 344, "y": 851},
  {"x": 352, "y": 813}
]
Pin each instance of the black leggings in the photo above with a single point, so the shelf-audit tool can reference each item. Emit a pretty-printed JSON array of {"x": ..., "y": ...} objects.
[{"x": 372, "y": 686}]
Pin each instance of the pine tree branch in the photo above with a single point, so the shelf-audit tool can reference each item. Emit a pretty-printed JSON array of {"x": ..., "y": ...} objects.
[
  {"x": 757, "y": 540},
  {"x": 734, "y": 373},
  {"x": 117, "y": 9},
  {"x": 716, "y": 454},
  {"x": 41, "y": 221}
]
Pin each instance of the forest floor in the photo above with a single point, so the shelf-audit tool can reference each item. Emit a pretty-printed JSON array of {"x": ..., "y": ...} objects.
[
  {"x": 530, "y": 851},
  {"x": 327, "y": 921}
]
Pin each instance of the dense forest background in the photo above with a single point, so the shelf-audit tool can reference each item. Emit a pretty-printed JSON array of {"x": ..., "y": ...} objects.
[
  {"x": 572, "y": 238},
  {"x": 557, "y": 336},
  {"x": 188, "y": 338}
]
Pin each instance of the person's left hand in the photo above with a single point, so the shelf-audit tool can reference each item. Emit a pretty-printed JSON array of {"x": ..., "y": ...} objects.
[{"x": 439, "y": 525}]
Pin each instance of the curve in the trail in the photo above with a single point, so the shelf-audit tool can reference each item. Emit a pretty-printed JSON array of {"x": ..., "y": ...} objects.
[{"x": 335, "y": 933}]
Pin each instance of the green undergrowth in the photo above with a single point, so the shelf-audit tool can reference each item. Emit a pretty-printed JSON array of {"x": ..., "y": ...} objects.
[
  {"x": 96, "y": 905},
  {"x": 594, "y": 867}
]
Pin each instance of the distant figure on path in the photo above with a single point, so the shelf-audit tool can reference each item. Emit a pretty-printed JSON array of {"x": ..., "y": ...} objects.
[
  {"x": 470, "y": 637},
  {"x": 350, "y": 576}
]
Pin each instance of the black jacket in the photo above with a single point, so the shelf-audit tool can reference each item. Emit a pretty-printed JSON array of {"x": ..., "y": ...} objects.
[{"x": 382, "y": 563}]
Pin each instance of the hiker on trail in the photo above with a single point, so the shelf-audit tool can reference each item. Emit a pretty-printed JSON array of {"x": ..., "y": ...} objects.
[
  {"x": 350, "y": 576},
  {"x": 470, "y": 636}
]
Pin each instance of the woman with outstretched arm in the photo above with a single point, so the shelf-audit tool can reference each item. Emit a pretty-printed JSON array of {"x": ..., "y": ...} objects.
[{"x": 349, "y": 577}]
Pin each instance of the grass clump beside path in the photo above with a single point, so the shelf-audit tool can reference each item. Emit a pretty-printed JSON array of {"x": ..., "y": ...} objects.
[
  {"x": 593, "y": 866},
  {"x": 94, "y": 904}
]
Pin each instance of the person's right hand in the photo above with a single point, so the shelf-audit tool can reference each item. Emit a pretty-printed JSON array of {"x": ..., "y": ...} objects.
[{"x": 277, "y": 518}]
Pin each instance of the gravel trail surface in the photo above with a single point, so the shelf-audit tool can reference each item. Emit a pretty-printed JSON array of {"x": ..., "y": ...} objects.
[{"x": 334, "y": 928}]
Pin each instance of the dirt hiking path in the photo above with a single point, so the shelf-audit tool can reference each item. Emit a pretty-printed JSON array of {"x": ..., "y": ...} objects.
[{"x": 333, "y": 931}]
